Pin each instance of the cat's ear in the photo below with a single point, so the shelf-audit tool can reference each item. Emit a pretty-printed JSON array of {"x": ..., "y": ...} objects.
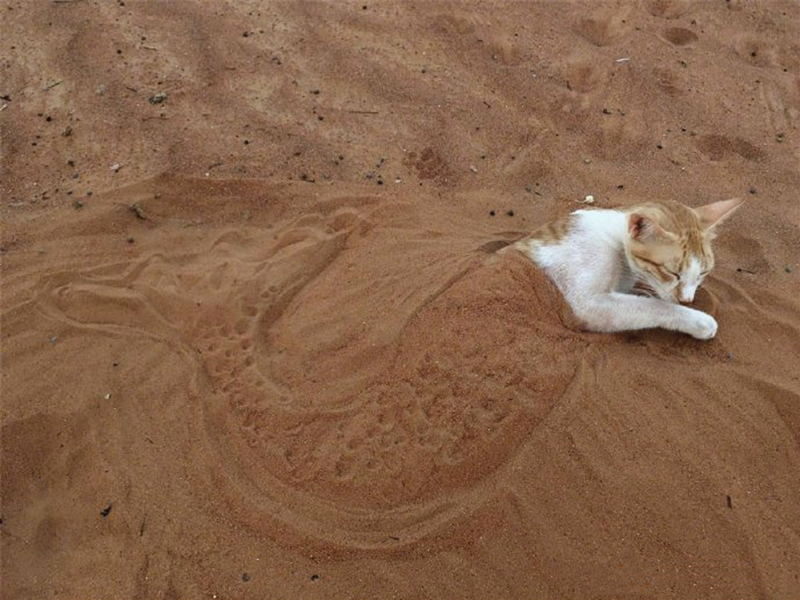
[
  {"x": 716, "y": 212},
  {"x": 644, "y": 229}
]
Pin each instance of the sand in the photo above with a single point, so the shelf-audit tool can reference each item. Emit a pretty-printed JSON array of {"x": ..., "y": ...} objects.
[{"x": 257, "y": 340}]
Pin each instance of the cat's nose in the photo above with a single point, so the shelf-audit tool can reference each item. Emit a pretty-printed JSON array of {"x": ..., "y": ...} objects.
[{"x": 687, "y": 294}]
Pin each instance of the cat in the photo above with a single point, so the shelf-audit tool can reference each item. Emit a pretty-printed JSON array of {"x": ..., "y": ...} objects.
[{"x": 632, "y": 268}]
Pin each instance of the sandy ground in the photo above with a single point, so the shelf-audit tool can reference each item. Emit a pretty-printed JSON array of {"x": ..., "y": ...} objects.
[{"x": 257, "y": 341}]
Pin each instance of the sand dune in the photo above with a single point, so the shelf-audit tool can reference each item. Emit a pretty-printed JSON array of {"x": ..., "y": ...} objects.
[{"x": 276, "y": 351}]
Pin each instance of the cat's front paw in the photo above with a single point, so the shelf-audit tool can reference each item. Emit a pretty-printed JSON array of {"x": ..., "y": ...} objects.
[{"x": 701, "y": 325}]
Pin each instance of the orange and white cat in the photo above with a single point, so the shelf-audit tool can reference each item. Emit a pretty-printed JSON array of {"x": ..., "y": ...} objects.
[{"x": 627, "y": 269}]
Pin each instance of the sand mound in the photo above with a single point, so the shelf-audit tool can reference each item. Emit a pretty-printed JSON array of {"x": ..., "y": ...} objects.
[{"x": 350, "y": 372}]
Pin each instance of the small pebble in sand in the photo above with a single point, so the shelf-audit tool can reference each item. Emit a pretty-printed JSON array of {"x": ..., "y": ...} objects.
[
  {"x": 315, "y": 577},
  {"x": 787, "y": 268},
  {"x": 492, "y": 213},
  {"x": 473, "y": 168},
  {"x": 510, "y": 213},
  {"x": 157, "y": 98},
  {"x": 589, "y": 199},
  {"x": 116, "y": 167},
  {"x": 245, "y": 577}
]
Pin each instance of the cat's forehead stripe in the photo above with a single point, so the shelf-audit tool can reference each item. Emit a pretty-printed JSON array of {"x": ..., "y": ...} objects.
[{"x": 694, "y": 268}]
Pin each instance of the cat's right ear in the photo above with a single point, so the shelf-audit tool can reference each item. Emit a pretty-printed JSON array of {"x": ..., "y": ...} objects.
[
  {"x": 643, "y": 228},
  {"x": 713, "y": 214}
]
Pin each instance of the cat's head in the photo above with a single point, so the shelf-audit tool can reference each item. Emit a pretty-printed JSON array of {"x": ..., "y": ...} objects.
[{"x": 669, "y": 246}]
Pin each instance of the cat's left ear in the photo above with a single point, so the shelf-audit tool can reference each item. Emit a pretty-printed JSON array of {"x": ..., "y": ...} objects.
[{"x": 713, "y": 214}]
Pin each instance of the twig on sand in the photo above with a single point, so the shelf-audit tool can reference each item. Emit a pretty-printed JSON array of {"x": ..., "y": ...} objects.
[
  {"x": 52, "y": 85},
  {"x": 138, "y": 211},
  {"x": 363, "y": 112}
]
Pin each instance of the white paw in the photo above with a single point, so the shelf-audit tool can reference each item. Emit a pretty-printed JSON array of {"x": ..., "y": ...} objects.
[{"x": 702, "y": 326}]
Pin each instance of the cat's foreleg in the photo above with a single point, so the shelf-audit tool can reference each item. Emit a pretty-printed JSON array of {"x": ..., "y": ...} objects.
[{"x": 615, "y": 311}]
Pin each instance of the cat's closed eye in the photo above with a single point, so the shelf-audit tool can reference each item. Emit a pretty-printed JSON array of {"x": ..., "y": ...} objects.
[{"x": 675, "y": 275}]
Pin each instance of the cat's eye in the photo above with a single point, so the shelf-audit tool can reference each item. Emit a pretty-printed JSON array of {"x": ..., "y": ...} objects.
[{"x": 675, "y": 275}]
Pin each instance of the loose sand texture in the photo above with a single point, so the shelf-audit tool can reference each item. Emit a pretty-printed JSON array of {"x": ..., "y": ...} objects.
[{"x": 258, "y": 342}]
